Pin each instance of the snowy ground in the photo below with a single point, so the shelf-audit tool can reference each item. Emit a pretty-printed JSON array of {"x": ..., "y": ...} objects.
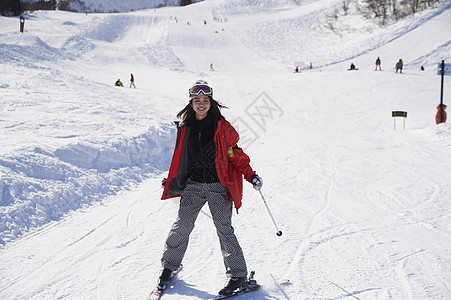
[{"x": 364, "y": 209}]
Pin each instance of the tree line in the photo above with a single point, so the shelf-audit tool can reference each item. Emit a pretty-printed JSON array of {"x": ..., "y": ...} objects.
[
  {"x": 384, "y": 11},
  {"x": 17, "y": 7},
  {"x": 389, "y": 11},
  {"x": 10, "y": 8}
]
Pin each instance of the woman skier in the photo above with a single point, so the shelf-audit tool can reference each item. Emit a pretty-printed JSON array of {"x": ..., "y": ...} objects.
[{"x": 207, "y": 167}]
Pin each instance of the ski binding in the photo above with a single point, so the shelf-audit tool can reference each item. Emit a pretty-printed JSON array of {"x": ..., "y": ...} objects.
[
  {"x": 249, "y": 286},
  {"x": 158, "y": 291}
]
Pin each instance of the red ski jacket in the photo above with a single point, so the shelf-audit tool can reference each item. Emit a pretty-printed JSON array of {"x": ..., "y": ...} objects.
[{"x": 231, "y": 163}]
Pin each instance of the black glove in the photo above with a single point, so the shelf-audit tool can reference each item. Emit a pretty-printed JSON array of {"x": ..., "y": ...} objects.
[{"x": 257, "y": 182}]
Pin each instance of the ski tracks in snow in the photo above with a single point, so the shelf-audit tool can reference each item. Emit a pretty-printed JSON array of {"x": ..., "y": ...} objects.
[
  {"x": 365, "y": 204},
  {"x": 98, "y": 243}
]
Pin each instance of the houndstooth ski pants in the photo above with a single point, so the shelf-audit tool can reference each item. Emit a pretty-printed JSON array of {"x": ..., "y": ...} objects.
[{"x": 193, "y": 199}]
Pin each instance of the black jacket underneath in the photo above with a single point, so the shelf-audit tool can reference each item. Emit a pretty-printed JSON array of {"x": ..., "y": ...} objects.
[{"x": 202, "y": 150}]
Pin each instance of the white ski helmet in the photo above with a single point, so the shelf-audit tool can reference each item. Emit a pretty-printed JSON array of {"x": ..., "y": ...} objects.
[{"x": 200, "y": 87}]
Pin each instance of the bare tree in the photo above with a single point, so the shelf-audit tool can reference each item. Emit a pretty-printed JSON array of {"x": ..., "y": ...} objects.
[{"x": 345, "y": 6}]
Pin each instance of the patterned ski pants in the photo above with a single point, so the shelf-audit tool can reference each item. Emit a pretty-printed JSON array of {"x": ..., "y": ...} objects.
[{"x": 193, "y": 199}]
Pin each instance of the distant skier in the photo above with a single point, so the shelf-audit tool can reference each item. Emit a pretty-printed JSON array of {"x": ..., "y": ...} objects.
[
  {"x": 118, "y": 83},
  {"x": 296, "y": 70},
  {"x": 211, "y": 67},
  {"x": 378, "y": 63},
  {"x": 207, "y": 167},
  {"x": 132, "y": 81},
  {"x": 399, "y": 66},
  {"x": 352, "y": 67}
]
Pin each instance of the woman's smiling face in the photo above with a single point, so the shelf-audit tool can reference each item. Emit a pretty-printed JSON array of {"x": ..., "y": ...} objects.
[{"x": 201, "y": 105}]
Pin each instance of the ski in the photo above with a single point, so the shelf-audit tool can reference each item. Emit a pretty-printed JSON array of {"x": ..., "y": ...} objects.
[
  {"x": 158, "y": 291},
  {"x": 249, "y": 286}
]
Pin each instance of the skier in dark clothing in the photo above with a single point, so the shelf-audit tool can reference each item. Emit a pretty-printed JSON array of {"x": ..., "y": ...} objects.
[
  {"x": 132, "y": 81},
  {"x": 399, "y": 66},
  {"x": 207, "y": 167},
  {"x": 378, "y": 63}
]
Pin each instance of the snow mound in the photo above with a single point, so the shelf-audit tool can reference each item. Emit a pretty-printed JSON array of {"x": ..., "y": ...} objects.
[
  {"x": 37, "y": 187},
  {"x": 29, "y": 51}
]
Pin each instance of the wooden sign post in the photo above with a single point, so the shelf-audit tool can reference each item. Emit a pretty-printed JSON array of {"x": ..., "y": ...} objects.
[{"x": 398, "y": 113}]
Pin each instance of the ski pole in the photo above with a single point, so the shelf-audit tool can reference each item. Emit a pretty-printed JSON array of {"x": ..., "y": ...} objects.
[{"x": 278, "y": 233}]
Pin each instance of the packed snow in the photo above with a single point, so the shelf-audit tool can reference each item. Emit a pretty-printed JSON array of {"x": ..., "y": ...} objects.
[{"x": 362, "y": 198}]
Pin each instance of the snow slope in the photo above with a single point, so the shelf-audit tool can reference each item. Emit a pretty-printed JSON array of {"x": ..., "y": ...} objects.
[
  {"x": 364, "y": 208},
  {"x": 108, "y": 6},
  {"x": 118, "y": 5}
]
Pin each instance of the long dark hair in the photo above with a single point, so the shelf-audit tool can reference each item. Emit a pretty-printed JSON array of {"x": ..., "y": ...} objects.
[{"x": 187, "y": 114}]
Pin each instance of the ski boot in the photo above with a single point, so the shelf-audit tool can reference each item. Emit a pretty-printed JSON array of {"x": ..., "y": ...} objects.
[
  {"x": 165, "y": 278},
  {"x": 233, "y": 283}
]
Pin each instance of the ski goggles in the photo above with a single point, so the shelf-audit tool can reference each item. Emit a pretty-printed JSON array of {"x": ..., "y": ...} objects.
[{"x": 200, "y": 89}]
